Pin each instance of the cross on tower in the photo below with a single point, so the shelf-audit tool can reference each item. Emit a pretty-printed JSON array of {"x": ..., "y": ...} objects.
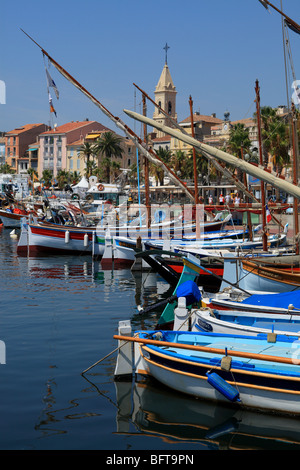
[{"x": 166, "y": 49}]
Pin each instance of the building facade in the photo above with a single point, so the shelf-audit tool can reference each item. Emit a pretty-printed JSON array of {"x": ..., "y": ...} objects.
[
  {"x": 17, "y": 143},
  {"x": 54, "y": 144}
]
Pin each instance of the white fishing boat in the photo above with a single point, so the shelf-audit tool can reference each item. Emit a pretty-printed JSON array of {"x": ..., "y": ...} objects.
[{"x": 242, "y": 323}]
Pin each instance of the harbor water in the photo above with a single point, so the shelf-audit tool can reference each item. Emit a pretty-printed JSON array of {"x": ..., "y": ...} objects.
[{"x": 58, "y": 317}]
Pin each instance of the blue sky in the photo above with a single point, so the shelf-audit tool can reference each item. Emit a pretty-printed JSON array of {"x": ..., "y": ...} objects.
[{"x": 217, "y": 50}]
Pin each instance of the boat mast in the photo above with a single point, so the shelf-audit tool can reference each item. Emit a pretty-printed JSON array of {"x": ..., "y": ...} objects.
[
  {"x": 295, "y": 176},
  {"x": 262, "y": 183},
  {"x": 195, "y": 170},
  {"x": 146, "y": 168}
]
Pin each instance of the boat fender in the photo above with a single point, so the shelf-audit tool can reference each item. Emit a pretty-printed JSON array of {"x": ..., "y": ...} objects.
[
  {"x": 67, "y": 236},
  {"x": 75, "y": 197},
  {"x": 85, "y": 240},
  {"x": 203, "y": 325},
  {"x": 100, "y": 187},
  {"x": 227, "y": 390}
]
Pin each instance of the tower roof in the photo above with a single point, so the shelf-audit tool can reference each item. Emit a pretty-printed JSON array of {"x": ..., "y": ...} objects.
[{"x": 165, "y": 82}]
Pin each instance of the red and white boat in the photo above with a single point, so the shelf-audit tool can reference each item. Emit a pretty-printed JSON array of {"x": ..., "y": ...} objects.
[{"x": 47, "y": 238}]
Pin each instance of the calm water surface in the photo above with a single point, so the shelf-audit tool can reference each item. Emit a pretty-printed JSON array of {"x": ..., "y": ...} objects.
[{"x": 58, "y": 317}]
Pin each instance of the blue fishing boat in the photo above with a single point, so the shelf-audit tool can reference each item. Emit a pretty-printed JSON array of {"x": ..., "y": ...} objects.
[{"x": 249, "y": 372}]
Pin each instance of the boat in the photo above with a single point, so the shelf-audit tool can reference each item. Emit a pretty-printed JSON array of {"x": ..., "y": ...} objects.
[
  {"x": 170, "y": 265},
  {"x": 261, "y": 275},
  {"x": 282, "y": 302},
  {"x": 242, "y": 323},
  {"x": 245, "y": 371},
  {"x": 40, "y": 238},
  {"x": 12, "y": 219}
]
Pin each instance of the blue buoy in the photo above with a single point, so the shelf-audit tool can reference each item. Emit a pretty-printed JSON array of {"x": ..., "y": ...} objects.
[{"x": 222, "y": 386}]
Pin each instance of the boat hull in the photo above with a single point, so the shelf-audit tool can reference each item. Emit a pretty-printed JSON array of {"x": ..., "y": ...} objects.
[
  {"x": 51, "y": 239},
  {"x": 263, "y": 385},
  {"x": 259, "y": 277}
]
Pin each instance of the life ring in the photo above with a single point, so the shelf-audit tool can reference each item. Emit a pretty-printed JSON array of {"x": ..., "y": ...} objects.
[
  {"x": 100, "y": 187},
  {"x": 75, "y": 197}
]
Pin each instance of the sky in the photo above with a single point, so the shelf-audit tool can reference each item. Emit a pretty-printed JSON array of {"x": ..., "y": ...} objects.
[{"x": 217, "y": 50}]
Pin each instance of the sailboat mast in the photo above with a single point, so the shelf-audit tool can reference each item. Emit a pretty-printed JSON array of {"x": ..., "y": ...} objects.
[
  {"x": 146, "y": 168},
  {"x": 262, "y": 183}
]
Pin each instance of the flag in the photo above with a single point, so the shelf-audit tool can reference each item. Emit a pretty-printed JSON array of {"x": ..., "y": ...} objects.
[
  {"x": 268, "y": 214},
  {"x": 51, "y": 84},
  {"x": 52, "y": 110}
]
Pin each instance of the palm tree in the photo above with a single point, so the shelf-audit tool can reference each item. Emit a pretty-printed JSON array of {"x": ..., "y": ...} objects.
[
  {"x": 108, "y": 146},
  {"x": 63, "y": 178},
  {"x": 178, "y": 160},
  {"x": 158, "y": 172},
  {"x": 6, "y": 168},
  {"x": 238, "y": 140},
  {"x": 86, "y": 151},
  {"x": 47, "y": 177},
  {"x": 274, "y": 134}
]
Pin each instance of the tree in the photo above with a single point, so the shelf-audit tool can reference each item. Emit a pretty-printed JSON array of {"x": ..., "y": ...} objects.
[
  {"x": 86, "y": 151},
  {"x": 6, "y": 168},
  {"x": 63, "y": 178},
  {"x": 157, "y": 171},
  {"x": 106, "y": 147},
  {"x": 47, "y": 177},
  {"x": 239, "y": 141},
  {"x": 275, "y": 137}
]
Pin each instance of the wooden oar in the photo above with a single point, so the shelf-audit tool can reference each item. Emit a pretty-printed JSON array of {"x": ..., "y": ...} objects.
[{"x": 261, "y": 357}]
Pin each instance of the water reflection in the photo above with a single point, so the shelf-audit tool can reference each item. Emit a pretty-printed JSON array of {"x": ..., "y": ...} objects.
[{"x": 157, "y": 411}]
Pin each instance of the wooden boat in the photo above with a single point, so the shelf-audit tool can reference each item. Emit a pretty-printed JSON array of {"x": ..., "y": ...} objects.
[
  {"x": 263, "y": 276},
  {"x": 283, "y": 302},
  {"x": 242, "y": 323},
  {"x": 220, "y": 243},
  {"x": 12, "y": 218},
  {"x": 246, "y": 371},
  {"x": 42, "y": 238}
]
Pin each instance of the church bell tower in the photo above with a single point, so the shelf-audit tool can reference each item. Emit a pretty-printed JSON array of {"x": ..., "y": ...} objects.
[{"x": 165, "y": 97}]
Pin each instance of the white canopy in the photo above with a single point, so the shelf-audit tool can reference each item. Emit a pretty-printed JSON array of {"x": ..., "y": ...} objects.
[{"x": 83, "y": 183}]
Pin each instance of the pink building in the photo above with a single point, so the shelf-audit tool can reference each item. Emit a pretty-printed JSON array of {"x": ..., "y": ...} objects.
[
  {"x": 17, "y": 142},
  {"x": 53, "y": 144}
]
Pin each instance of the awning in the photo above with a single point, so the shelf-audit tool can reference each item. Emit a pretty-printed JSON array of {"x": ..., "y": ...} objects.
[
  {"x": 32, "y": 150},
  {"x": 92, "y": 136}
]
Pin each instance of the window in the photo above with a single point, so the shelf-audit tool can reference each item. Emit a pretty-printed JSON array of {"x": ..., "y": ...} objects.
[{"x": 169, "y": 107}]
